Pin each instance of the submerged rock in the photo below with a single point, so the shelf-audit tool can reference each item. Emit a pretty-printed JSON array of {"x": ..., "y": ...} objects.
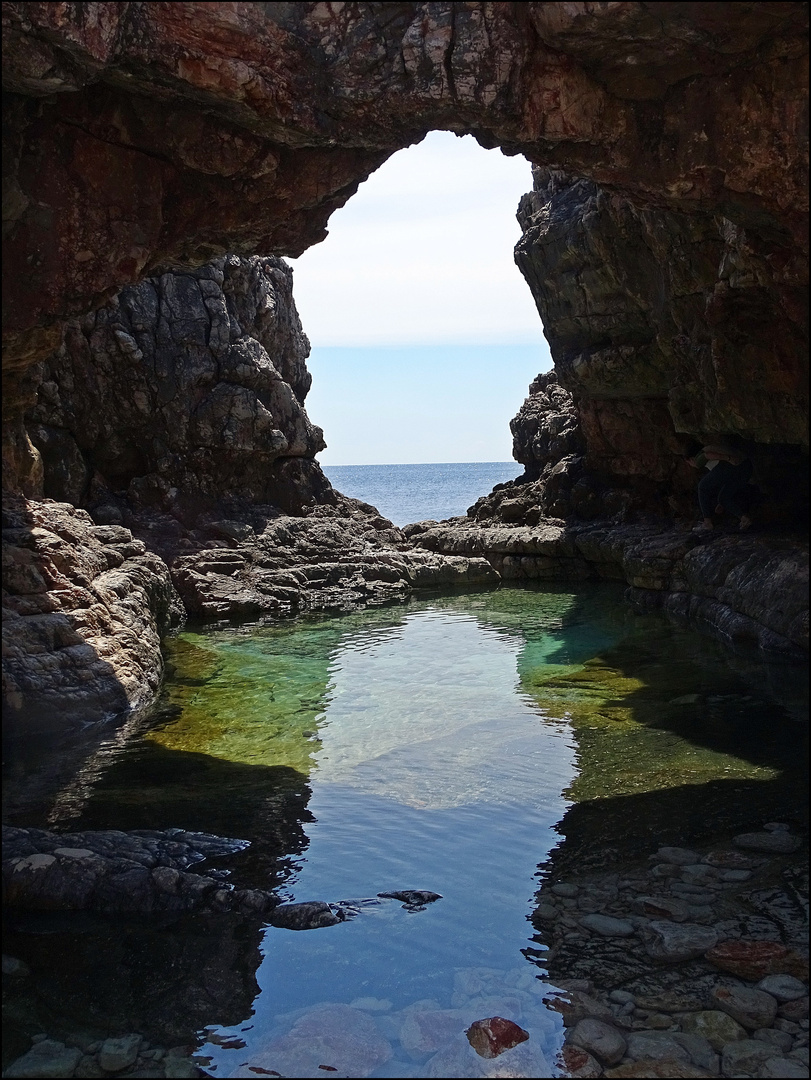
[
  {"x": 493, "y": 1036},
  {"x": 45, "y": 1058}
]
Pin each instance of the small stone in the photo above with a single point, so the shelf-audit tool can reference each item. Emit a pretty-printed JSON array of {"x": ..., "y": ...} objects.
[
  {"x": 655, "y": 1046},
  {"x": 45, "y": 1058},
  {"x": 718, "y": 1028},
  {"x": 546, "y": 912},
  {"x": 751, "y": 1008},
  {"x": 622, "y": 997},
  {"x": 577, "y": 1062},
  {"x": 676, "y": 855},
  {"x": 120, "y": 1053},
  {"x": 744, "y": 1056},
  {"x": 179, "y": 1068},
  {"x": 780, "y": 1040},
  {"x": 693, "y": 894},
  {"x": 776, "y": 826},
  {"x": 13, "y": 966},
  {"x": 89, "y": 1068},
  {"x": 675, "y": 942},
  {"x": 493, "y": 1036},
  {"x": 725, "y": 859},
  {"x": 731, "y": 876},
  {"x": 754, "y": 960},
  {"x": 598, "y": 1038},
  {"x": 783, "y": 1067},
  {"x": 796, "y": 1010},
  {"x": 779, "y": 843},
  {"x": 607, "y": 926},
  {"x": 698, "y": 872},
  {"x": 659, "y": 1021},
  {"x": 666, "y": 870},
  {"x": 38, "y": 1038},
  {"x": 782, "y": 987},
  {"x": 787, "y": 1025},
  {"x": 565, "y": 889},
  {"x": 662, "y": 907},
  {"x": 700, "y": 1050}
]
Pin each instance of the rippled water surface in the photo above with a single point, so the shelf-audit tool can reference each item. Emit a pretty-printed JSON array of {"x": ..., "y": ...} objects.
[{"x": 463, "y": 744}]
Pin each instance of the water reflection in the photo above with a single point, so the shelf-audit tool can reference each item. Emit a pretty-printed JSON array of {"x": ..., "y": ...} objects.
[{"x": 456, "y": 744}]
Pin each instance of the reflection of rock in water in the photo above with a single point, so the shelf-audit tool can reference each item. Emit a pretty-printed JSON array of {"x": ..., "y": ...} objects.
[{"x": 165, "y": 979}]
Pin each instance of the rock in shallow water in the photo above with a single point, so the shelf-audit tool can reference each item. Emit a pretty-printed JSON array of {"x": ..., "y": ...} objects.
[
  {"x": 755, "y": 960},
  {"x": 781, "y": 843},
  {"x": 493, "y": 1036},
  {"x": 751, "y": 1008},
  {"x": 673, "y": 943},
  {"x": 328, "y": 1040},
  {"x": 46, "y": 1058},
  {"x": 600, "y": 1039}
]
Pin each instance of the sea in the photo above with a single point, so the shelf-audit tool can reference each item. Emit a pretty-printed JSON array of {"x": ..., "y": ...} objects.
[{"x": 408, "y": 493}]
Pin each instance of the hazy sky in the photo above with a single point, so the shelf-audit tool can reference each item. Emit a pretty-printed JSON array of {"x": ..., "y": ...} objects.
[{"x": 425, "y": 335}]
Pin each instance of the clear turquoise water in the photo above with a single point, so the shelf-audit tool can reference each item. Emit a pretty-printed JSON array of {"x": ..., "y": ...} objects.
[
  {"x": 408, "y": 493},
  {"x": 464, "y": 745}
]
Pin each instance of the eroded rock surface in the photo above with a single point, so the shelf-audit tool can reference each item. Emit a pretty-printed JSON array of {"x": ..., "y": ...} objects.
[
  {"x": 664, "y": 244},
  {"x": 84, "y": 608},
  {"x": 183, "y": 390}
]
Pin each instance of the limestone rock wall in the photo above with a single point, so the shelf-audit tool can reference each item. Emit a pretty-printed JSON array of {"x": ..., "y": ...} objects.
[
  {"x": 669, "y": 330},
  {"x": 182, "y": 391}
]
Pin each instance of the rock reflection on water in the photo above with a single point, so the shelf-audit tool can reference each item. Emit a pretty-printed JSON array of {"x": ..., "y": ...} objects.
[{"x": 465, "y": 744}]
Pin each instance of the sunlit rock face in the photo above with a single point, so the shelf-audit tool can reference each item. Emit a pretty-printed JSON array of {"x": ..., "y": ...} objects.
[
  {"x": 666, "y": 327},
  {"x": 143, "y": 136},
  {"x": 183, "y": 389}
]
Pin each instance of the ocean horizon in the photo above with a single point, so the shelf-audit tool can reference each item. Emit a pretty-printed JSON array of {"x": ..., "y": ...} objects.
[{"x": 427, "y": 491}]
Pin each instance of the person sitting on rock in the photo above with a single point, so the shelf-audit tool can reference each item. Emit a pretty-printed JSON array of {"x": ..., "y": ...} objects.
[{"x": 725, "y": 486}]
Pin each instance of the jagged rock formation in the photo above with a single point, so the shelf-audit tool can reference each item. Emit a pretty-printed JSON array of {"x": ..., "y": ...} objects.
[
  {"x": 84, "y": 609},
  {"x": 665, "y": 326},
  {"x": 181, "y": 391}
]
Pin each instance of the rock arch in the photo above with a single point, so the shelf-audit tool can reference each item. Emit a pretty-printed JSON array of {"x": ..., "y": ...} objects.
[{"x": 141, "y": 136}]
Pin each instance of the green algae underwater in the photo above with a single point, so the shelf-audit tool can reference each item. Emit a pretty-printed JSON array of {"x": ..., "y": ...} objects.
[{"x": 652, "y": 709}]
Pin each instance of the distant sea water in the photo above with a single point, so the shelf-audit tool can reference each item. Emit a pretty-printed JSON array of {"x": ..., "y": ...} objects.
[{"x": 408, "y": 493}]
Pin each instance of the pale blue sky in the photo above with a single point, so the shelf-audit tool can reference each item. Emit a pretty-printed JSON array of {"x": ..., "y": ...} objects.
[{"x": 425, "y": 335}]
